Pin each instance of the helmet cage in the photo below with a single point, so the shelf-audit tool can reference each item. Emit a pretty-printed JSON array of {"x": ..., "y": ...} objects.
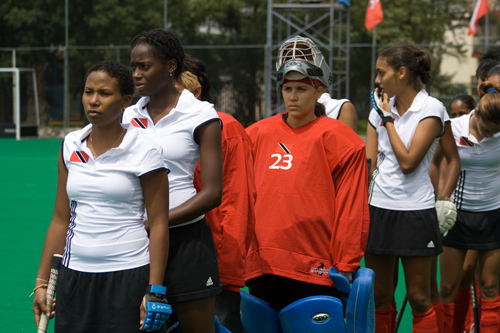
[{"x": 302, "y": 55}]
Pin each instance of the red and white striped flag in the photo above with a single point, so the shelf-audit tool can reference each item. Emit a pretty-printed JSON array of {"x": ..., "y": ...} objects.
[
  {"x": 480, "y": 10},
  {"x": 374, "y": 14}
]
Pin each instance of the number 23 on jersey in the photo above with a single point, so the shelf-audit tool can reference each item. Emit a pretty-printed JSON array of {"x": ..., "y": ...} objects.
[{"x": 281, "y": 161}]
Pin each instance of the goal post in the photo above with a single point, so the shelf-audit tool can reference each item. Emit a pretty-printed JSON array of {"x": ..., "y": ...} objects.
[{"x": 18, "y": 127}]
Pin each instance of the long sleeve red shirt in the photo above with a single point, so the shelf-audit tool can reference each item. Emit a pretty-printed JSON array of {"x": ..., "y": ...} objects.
[
  {"x": 232, "y": 223},
  {"x": 312, "y": 202}
]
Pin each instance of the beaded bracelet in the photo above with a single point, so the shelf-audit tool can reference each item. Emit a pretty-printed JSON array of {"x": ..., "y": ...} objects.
[{"x": 39, "y": 286}]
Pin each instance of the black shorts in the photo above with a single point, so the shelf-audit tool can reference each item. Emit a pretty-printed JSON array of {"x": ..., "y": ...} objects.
[
  {"x": 100, "y": 302},
  {"x": 404, "y": 233},
  {"x": 192, "y": 268},
  {"x": 475, "y": 231},
  {"x": 280, "y": 291}
]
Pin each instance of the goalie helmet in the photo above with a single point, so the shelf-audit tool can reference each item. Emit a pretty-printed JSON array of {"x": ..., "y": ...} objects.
[{"x": 301, "y": 55}]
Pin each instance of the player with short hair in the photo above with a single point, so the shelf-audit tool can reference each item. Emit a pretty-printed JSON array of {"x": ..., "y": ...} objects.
[
  {"x": 461, "y": 104},
  {"x": 310, "y": 173},
  {"x": 108, "y": 175},
  {"x": 189, "y": 130}
]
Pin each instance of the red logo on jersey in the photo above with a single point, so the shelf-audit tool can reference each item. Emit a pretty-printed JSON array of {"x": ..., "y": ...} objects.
[
  {"x": 465, "y": 142},
  {"x": 79, "y": 157},
  {"x": 140, "y": 122}
]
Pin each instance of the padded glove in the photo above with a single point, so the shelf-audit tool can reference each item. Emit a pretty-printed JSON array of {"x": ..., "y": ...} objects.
[
  {"x": 157, "y": 309},
  {"x": 446, "y": 214},
  {"x": 376, "y": 101}
]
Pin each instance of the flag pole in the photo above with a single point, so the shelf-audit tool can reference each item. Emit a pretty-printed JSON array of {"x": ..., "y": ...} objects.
[
  {"x": 486, "y": 32},
  {"x": 374, "y": 44}
]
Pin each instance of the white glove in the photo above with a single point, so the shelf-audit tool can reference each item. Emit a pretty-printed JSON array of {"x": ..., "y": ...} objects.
[
  {"x": 446, "y": 214},
  {"x": 377, "y": 101}
]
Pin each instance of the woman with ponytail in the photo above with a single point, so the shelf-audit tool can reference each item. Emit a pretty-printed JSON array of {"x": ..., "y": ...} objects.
[
  {"x": 477, "y": 198},
  {"x": 405, "y": 127}
]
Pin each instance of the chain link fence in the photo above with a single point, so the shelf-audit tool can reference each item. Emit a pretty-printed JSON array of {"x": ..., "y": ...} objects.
[{"x": 236, "y": 72}]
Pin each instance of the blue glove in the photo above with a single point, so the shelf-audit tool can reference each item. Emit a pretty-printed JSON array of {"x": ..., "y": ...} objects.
[
  {"x": 385, "y": 115},
  {"x": 157, "y": 309}
]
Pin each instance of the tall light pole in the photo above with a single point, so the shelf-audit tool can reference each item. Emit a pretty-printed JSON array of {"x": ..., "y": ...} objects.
[
  {"x": 66, "y": 67},
  {"x": 165, "y": 14}
]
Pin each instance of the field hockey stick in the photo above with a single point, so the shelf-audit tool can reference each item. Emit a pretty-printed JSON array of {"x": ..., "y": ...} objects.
[
  {"x": 400, "y": 313},
  {"x": 474, "y": 306},
  {"x": 51, "y": 288}
]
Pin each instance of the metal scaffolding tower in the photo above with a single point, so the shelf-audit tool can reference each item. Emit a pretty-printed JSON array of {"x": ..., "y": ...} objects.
[{"x": 321, "y": 21}]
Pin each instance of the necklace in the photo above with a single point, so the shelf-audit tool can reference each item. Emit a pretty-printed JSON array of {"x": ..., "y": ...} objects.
[{"x": 92, "y": 143}]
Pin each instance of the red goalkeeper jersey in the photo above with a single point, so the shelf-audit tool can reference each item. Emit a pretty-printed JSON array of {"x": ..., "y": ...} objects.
[
  {"x": 232, "y": 223},
  {"x": 312, "y": 199}
]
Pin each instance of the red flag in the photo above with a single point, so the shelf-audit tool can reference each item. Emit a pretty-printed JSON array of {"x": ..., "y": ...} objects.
[
  {"x": 480, "y": 10},
  {"x": 374, "y": 14}
]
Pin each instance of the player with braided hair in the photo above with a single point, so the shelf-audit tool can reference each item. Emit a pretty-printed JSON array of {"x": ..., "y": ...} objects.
[{"x": 189, "y": 130}]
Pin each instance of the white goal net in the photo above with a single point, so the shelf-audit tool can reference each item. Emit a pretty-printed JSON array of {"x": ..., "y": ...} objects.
[{"x": 19, "y": 111}]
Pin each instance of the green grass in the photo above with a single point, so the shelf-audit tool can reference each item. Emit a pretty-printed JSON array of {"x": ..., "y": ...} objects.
[
  {"x": 362, "y": 123},
  {"x": 28, "y": 183}
]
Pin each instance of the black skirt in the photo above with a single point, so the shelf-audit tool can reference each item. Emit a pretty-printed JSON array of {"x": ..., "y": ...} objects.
[
  {"x": 404, "y": 233},
  {"x": 192, "y": 268},
  {"x": 475, "y": 231},
  {"x": 100, "y": 302}
]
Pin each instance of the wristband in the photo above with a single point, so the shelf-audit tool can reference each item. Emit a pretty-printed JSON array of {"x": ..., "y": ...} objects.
[
  {"x": 156, "y": 289},
  {"x": 385, "y": 115}
]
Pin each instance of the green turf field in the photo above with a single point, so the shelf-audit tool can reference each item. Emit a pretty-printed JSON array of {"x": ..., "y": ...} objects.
[{"x": 28, "y": 183}]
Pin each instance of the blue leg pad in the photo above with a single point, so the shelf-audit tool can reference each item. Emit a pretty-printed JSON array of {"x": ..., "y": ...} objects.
[
  {"x": 313, "y": 314},
  {"x": 257, "y": 316},
  {"x": 341, "y": 284},
  {"x": 360, "y": 310}
]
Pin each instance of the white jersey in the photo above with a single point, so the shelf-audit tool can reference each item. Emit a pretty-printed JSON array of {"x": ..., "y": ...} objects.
[
  {"x": 332, "y": 106},
  {"x": 478, "y": 188},
  {"x": 106, "y": 231},
  {"x": 175, "y": 133},
  {"x": 390, "y": 188}
]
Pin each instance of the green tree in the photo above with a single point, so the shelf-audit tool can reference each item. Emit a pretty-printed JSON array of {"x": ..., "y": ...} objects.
[
  {"x": 236, "y": 73},
  {"x": 41, "y": 25}
]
